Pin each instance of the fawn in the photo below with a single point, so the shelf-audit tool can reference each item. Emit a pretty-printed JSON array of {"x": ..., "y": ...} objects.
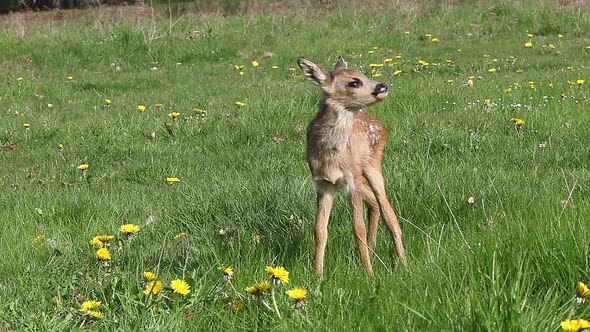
[{"x": 344, "y": 151}]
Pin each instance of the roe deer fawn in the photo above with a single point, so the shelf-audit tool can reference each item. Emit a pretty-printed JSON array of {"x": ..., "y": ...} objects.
[{"x": 344, "y": 151}]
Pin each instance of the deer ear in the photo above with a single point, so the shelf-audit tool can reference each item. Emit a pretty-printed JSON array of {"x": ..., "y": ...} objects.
[
  {"x": 314, "y": 73},
  {"x": 341, "y": 64}
]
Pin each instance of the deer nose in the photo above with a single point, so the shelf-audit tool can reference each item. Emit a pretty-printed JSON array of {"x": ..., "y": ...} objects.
[{"x": 380, "y": 88}]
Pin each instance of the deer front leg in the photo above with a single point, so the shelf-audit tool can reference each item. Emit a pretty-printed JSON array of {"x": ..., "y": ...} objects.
[
  {"x": 325, "y": 199},
  {"x": 359, "y": 230},
  {"x": 377, "y": 184}
]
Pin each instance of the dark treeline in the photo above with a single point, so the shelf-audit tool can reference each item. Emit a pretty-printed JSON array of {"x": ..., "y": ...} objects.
[{"x": 7, "y": 6}]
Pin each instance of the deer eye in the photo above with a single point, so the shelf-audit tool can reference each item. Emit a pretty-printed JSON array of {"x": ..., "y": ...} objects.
[{"x": 355, "y": 84}]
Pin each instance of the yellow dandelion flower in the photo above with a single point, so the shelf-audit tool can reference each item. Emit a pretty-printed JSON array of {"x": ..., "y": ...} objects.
[
  {"x": 518, "y": 122},
  {"x": 130, "y": 229},
  {"x": 487, "y": 102},
  {"x": 530, "y": 35},
  {"x": 159, "y": 105},
  {"x": 95, "y": 314},
  {"x": 450, "y": 81},
  {"x": 153, "y": 287},
  {"x": 180, "y": 286},
  {"x": 375, "y": 65},
  {"x": 551, "y": 46},
  {"x": 238, "y": 67},
  {"x": 399, "y": 57},
  {"x": 255, "y": 63},
  {"x": 371, "y": 52},
  {"x": 435, "y": 40},
  {"x": 103, "y": 254},
  {"x": 228, "y": 271},
  {"x": 580, "y": 82},
  {"x": 377, "y": 75},
  {"x": 240, "y": 104},
  {"x": 528, "y": 44},
  {"x": 297, "y": 293},
  {"x": 397, "y": 72},
  {"x": 141, "y": 108},
  {"x": 20, "y": 78},
  {"x": 560, "y": 35},
  {"x": 583, "y": 290},
  {"x": 258, "y": 288},
  {"x": 407, "y": 32},
  {"x": 26, "y": 125},
  {"x": 469, "y": 82},
  {"x": 575, "y": 325},
  {"x": 83, "y": 167},
  {"x": 492, "y": 70},
  {"x": 39, "y": 238},
  {"x": 101, "y": 239},
  {"x": 388, "y": 60},
  {"x": 90, "y": 305},
  {"x": 172, "y": 180},
  {"x": 278, "y": 273},
  {"x": 237, "y": 305},
  {"x": 198, "y": 110},
  {"x": 174, "y": 115},
  {"x": 180, "y": 235},
  {"x": 70, "y": 78},
  {"x": 60, "y": 147},
  {"x": 275, "y": 67},
  {"x": 148, "y": 276},
  {"x": 107, "y": 102}
]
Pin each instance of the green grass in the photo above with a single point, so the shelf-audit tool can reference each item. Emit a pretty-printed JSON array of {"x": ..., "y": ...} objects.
[{"x": 509, "y": 262}]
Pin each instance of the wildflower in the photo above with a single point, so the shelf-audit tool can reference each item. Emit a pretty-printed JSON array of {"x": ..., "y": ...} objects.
[
  {"x": 375, "y": 65},
  {"x": 388, "y": 60},
  {"x": 26, "y": 125},
  {"x": 108, "y": 102},
  {"x": 423, "y": 63},
  {"x": 471, "y": 200},
  {"x": 154, "y": 287},
  {"x": 551, "y": 46},
  {"x": 100, "y": 240},
  {"x": 449, "y": 61},
  {"x": 530, "y": 35},
  {"x": 39, "y": 238},
  {"x": 435, "y": 40},
  {"x": 258, "y": 288},
  {"x": 575, "y": 325},
  {"x": 148, "y": 276},
  {"x": 237, "y": 305},
  {"x": 528, "y": 44},
  {"x": 239, "y": 67},
  {"x": 20, "y": 78},
  {"x": 399, "y": 57},
  {"x": 397, "y": 72},
  {"x": 174, "y": 115},
  {"x": 279, "y": 274},
  {"x": 255, "y": 63},
  {"x": 83, "y": 167},
  {"x": 469, "y": 82},
  {"x": 492, "y": 70},
  {"x": 560, "y": 35},
  {"x": 583, "y": 290},
  {"x": 228, "y": 272},
  {"x": 158, "y": 106},
  {"x": 371, "y": 52},
  {"x": 450, "y": 81},
  {"x": 407, "y": 32},
  {"x": 90, "y": 305},
  {"x": 297, "y": 293},
  {"x": 103, "y": 254},
  {"x": 130, "y": 229},
  {"x": 70, "y": 78},
  {"x": 95, "y": 314},
  {"x": 275, "y": 67},
  {"x": 198, "y": 110},
  {"x": 180, "y": 286},
  {"x": 180, "y": 235},
  {"x": 60, "y": 147},
  {"x": 580, "y": 82},
  {"x": 240, "y": 104},
  {"x": 141, "y": 108},
  {"x": 172, "y": 180},
  {"x": 487, "y": 102},
  {"x": 532, "y": 84},
  {"x": 377, "y": 75}
]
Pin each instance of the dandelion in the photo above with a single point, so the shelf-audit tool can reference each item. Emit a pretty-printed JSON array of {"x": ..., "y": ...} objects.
[
  {"x": 103, "y": 254},
  {"x": 398, "y": 57},
  {"x": 100, "y": 240},
  {"x": 580, "y": 82},
  {"x": 450, "y": 81},
  {"x": 237, "y": 305},
  {"x": 240, "y": 104},
  {"x": 180, "y": 235},
  {"x": 228, "y": 272},
  {"x": 60, "y": 147},
  {"x": 180, "y": 286},
  {"x": 375, "y": 65},
  {"x": 172, "y": 180},
  {"x": 469, "y": 82},
  {"x": 583, "y": 293},
  {"x": 95, "y": 314},
  {"x": 70, "y": 78},
  {"x": 258, "y": 288},
  {"x": 20, "y": 78},
  {"x": 130, "y": 229},
  {"x": 397, "y": 72},
  {"x": 518, "y": 122},
  {"x": 153, "y": 287},
  {"x": 435, "y": 40},
  {"x": 560, "y": 35},
  {"x": 279, "y": 274},
  {"x": 275, "y": 67},
  {"x": 148, "y": 276},
  {"x": 256, "y": 239},
  {"x": 90, "y": 305},
  {"x": 492, "y": 70},
  {"x": 487, "y": 102},
  {"x": 407, "y": 32},
  {"x": 83, "y": 167},
  {"x": 174, "y": 115},
  {"x": 371, "y": 52},
  {"x": 198, "y": 110},
  {"x": 528, "y": 44},
  {"x": 255, "y": 63},
  {"x": 297, "y": 293},
  {"x": 551, "y": 46},
  {"x": 530, "y": 35},
  {"x": 575, "y": 325},
  {"x": 27, "y": 125},
  {"x": 159, "y": 106},
  {"x": 141, "y": 108},
  {"x": 238, "y": 67}
]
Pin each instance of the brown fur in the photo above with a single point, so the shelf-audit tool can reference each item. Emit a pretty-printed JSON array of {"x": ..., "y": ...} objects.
[{"x": 344, "y": 151}]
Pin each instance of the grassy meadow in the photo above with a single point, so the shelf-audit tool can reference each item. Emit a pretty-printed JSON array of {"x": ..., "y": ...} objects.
[{"x": 495, "y": 212}]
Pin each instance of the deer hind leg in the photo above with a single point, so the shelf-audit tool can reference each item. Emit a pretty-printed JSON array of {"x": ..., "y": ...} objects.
[
  {"x": 359, "y": 230},
  {"x": 375, "y": 178},
  {"x": 325, "y": 199},
  {"x": 374, "y": 213}
]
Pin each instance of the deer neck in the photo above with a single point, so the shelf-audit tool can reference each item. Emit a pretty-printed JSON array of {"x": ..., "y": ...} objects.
[{"x": 336, "y": 123}]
